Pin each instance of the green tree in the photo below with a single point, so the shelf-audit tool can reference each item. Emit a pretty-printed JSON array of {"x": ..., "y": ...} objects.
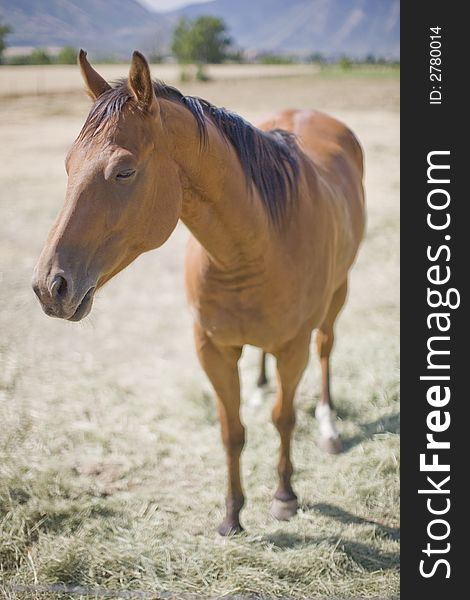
[
  {"x": 67, "y": 55},
  {"x": 275, "y": 59},
  {"x": 345, "y": 63},
  {"x": 318, "y": 58},
  {"x": 39, "y": 56},
  {"x": 201, "y": 41},
  {"x": 4, "y": 31}
]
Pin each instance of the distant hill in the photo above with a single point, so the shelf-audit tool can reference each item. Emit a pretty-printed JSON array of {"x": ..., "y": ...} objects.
[
  {"x": 333, "y": 27},
  {"x": 102, "y": 26}
]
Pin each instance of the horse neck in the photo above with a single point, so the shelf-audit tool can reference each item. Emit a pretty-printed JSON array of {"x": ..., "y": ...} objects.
[{"x": 220, "y": 207}]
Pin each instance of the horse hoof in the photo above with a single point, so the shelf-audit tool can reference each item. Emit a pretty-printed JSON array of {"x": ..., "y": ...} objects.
[
  {"x": 330, "y": 444},
  {"x": 229, "y": 527},
  {"x": 284, "y": 510}
]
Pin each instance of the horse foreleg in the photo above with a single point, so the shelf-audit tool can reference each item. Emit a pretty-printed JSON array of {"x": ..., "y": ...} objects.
[
  {"x": 291, "y": 362},
  {"x": 329, "y": 438},
  {"x": 221, "y": 366}
]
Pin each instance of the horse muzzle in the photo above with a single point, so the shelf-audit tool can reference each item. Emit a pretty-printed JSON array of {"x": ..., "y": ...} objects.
[{"x": 62, "y": 297}]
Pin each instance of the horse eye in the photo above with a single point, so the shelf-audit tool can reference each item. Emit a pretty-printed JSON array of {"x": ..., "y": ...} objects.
[{"x": 125, "y": 174}]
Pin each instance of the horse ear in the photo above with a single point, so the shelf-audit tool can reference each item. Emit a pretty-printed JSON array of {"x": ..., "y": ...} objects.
[
  {"x": 95, "y": 84},
  {"x": 140, "y": 81}
]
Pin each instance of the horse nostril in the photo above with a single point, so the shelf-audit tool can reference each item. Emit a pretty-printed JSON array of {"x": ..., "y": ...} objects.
[{"x": 58, "y": 288}]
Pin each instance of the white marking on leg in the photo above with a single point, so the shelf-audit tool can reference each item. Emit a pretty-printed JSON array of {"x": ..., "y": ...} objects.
[{"x": 326, "y": 421}]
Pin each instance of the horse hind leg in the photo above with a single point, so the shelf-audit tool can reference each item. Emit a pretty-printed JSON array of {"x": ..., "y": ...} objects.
[
  {"x": 262, "y": 378},
  {"x": 329, "y": 439},
  {"x": 259, "y": 394}
]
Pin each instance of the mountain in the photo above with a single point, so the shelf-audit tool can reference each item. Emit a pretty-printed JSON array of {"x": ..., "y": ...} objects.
[
  {"x": 333, "y": 27},
  {"x": 102, "y": 26}
]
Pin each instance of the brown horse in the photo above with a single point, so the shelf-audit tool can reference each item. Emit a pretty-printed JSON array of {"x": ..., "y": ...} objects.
[{"x": 276, "y": 216}]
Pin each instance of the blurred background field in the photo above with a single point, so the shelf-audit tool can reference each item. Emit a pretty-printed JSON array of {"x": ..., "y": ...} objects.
[
  {"x": 56, "y": 79},
  {"x": 112, "y": 472}
]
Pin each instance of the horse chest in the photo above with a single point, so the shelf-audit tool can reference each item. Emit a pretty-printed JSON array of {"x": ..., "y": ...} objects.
[{"x": 256, "y": 315}]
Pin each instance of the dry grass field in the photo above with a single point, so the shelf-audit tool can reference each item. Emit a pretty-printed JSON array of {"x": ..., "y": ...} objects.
[{"x": 112, "y": 472}]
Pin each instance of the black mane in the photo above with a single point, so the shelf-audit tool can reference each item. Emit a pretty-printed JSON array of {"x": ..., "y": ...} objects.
[{"x": 269, "y": 159}]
